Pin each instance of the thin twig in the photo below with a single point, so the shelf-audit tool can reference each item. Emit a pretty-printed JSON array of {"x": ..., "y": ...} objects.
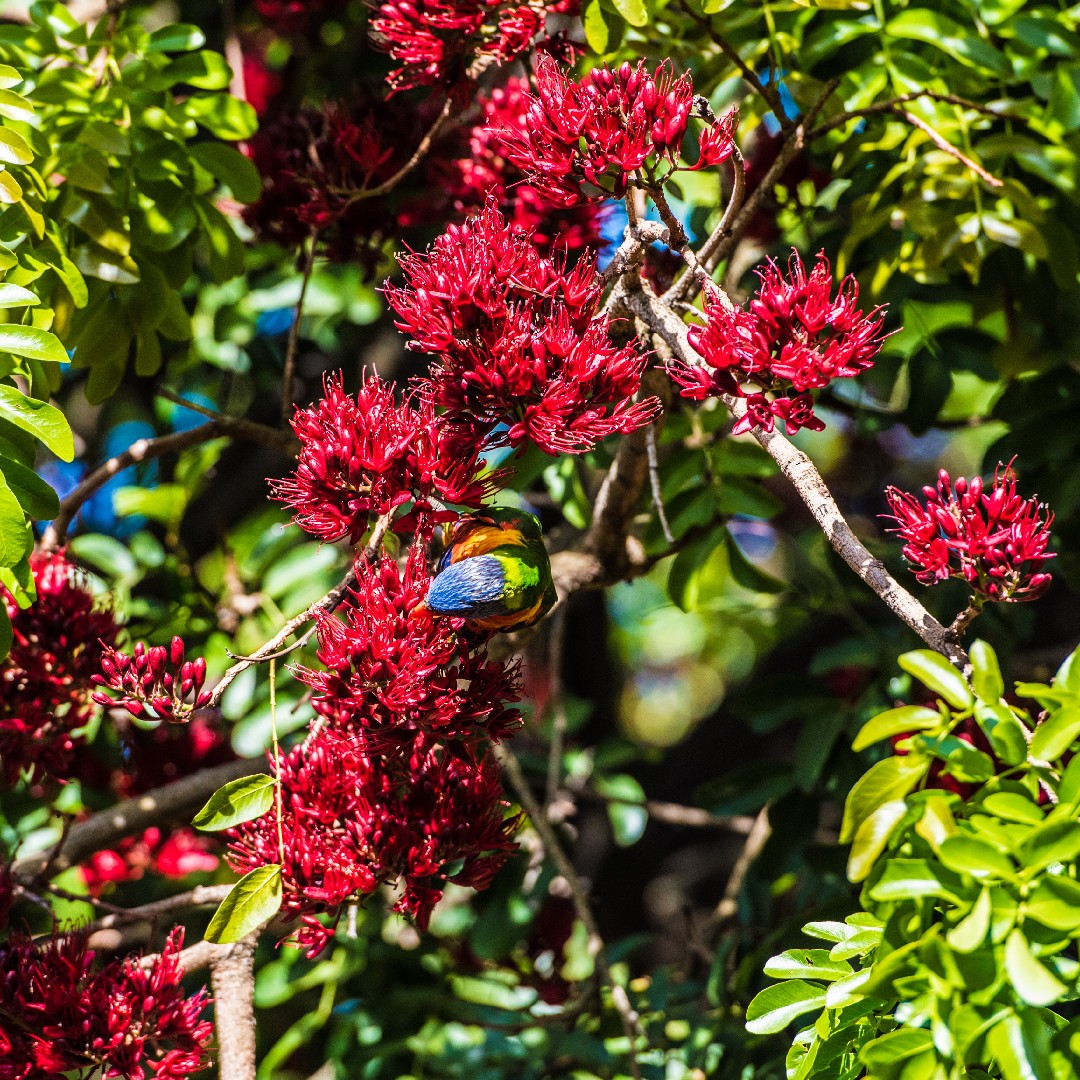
[
  {"x": 943, "y": 144},
  {"x": 556, "y": 650},
  {"x": 669, "y": 813},
  {"x": 200, "y": 896},
  {"x": 755, "y": 841},
  {"x": 272, "y": 649},
  {"x": 146, "y": 450},
  {"x": 578, "y": 896},
  {"x": 288, "y": 375},
  {"x": 891, "y": 104},
  {"x": 654, "y": 483}
]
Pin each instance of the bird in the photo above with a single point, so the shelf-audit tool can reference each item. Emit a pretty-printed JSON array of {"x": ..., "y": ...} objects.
[{"x": 495, "y": 572}]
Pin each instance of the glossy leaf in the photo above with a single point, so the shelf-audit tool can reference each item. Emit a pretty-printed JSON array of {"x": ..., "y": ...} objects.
[
  {"x": 900, "y": 721},
  {"x": 938, "y": 675},
  {"x": 239, "y": 800},
  {"x": 41, "y": 419},
  {"x": 254, "y": 899},
  {"x": 890, "y": 779},
  {"x": 778, "y": 1005},
  {"x": 1029, "y": 978}
]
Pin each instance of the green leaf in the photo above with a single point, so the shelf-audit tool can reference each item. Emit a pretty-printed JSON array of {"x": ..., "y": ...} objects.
[
  {"x": 16, "y": 296},
  {"x": 806, "y": 964},
  {"x": 39, "y": 418},
  {"x": 222, "y": 115},
  {"x": 968, "y": 934},
  {"x": 1011, "y": 806},
  {"x": 235, "y": 170},
  {"x": 15, "y": 107},
  {"x": 872, "y": 836},
  {"x": 1005, "y": 732},
  {"x": 31, "y": 342},
  {"x": 255, "y": 898},
  {"x": 1055, "y": 902},
  {"x": 896, "y": 722},
  {"x": 633, "y": 11},
  {"x": 179, "y": 37},
  {"x": 895, "y": 1046},
  {"x": 1030, "y": 980},
  {"x": 1056, "y": 841},
  {"x": 6, "y": 633},
  {"x": 206, "y": 69},
  {"x": 15, "y": 538},
  {"x": 776, "y": 1006},
  {"x": 938, "y": 675},
  {"x": 885, "y": 781},
  {"x": 1055, "y": 735},
  {"x": 597, "y": 31},
  {"x": 958, "y": 42},
  {"x": 240, "y": 800},
  {"x": 986, "y": 677},
  {"x": 10, "y": 192},
  {"x": 37, "y": 499},
  {"x": 908, "y": 879},
  {"x": 9, "y": 76},
  {"x": 14, "y": 149},
  {"x": 831, "y": 931},
  {"x": 968, "y": 855}
]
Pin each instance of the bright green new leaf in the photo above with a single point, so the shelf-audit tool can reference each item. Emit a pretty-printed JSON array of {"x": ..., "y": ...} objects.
[
  {"x": 1011, "y": 806},
  {"x": 970, "y": 932},
  {"x": 776, "y": 1006},
  {"x": 806, "y": 964},
  {"x": 1055, "y": 735},
  {"x": 15, "y": 107},
  {"x": 39, "y": 418},
  {"x": 240, "y": 800},
  {"x": 938, "y": 675},
  {"x": 255, "y": 898},
  {"x": 895, "y": 1046},
  {"x": 37, "y": 499},
  {"x": 1029, "y": 978},
  {"x": 633, "y": 11},
  {"x": 15, "y": 538},
  {"x": 908, "y": 879},
  {"x": 896, "y": 722},
  {"x": 595, "y": 20},
  {"x": 14, "y": 149},
  {"x": 872, "y": 836},
  {"x": 16, "y": 296},
  {"x": 986, "y": 673},
  {"x": 1055, "y": 902},
  {"x": 1005, "y": 732},
  {"x": 179, "y": 37},
  {"x": 967, "y": 855},
  {"x": 1056, "y": 841},
  {"x": 885, "y": 781},
  {"x": 31, "y": 342}
]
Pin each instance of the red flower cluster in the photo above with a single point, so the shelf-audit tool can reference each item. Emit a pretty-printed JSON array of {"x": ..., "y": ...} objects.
[
  {"x": 482, "y": 170},
  {"x": 586, "y": 140},
  {"x": 395, "y": 672},
  {"x": 794, "y": 335},
  {"x": 990, "y": 537},
  {"x": 397, "y": 783},
  {"x": 352, "y": 822},
  {"x": 437, "y": 41},
  {"x": 173, "y": 854},
  {"x": 518, "y": 340},
  {"x": 369, "y": 455},
  {"x": 45, "y": 681},
  {"x": 315, "y": 165},
  {"x": 155, "y": 683},
  {"x": 59, "y": 1014}
]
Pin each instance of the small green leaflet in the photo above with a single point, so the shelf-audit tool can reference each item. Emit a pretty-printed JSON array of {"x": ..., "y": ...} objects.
[
  {"x": 240, "y": 800},
  {"x": 37, "y": 417},
  {"x": 255, "y": 898}
]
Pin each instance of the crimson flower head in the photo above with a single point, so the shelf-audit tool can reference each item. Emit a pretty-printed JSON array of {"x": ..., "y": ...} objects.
[
  {"x": 393, "y": 671},
  {"x": 45, "y": 682},
  {"x": 587, "y": 140},
  {"x": 795, "y": 335},
  {"x": 517, "y": 340},
  {"x": 475, "y": 167},
  {"x": 352, "y": 822},
  {"x": 438, "y": 41},
  {"x": 315, "y": 165},
  {"x": 154, "y": 683},
  {"x": 370, "y": 454},
  {"x": 987, "y": 535},
  {"x": 62, "y": 1013}
]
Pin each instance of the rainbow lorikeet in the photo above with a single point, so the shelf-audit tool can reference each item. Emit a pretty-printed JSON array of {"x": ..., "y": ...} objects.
[{"x": 495, "y": 571}]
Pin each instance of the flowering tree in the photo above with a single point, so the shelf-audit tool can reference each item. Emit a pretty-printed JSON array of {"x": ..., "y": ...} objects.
[{"x": 476, "y": 599}]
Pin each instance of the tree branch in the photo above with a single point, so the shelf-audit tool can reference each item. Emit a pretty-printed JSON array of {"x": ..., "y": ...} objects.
[
  {"x": 232, "y": 978},
  {"x": 200, "y": 896},
  {"x": 146, "y": 450},
  {"x": 812, "y": 489},
  {"x": 288, "y": 374},
  {"x": 176, "y": 801}
]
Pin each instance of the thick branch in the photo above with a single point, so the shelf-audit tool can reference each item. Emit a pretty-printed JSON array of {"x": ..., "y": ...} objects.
[
  {"x": 147, "y": 449},
  {"x": 232, "y": 978},
  {"x": 173, "y": 802},
  {"x": 812, "y": 489}
]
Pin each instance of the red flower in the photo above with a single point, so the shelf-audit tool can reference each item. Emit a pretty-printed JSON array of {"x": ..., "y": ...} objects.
[
  {"x": 173, "y": 854},
  {"x": 315, "y": 165},
  {"x": 45, "y": 682},
  {"x": 479, "y": 169},
  {"x": 394, "y": 671},
  {"x": 369, "y": 455},
  {"x": 794, "y": 334},
  {"x": 154, "y": 683},
  {"x": 62, "y": 1014},
  {"x": 518, "y": 340},
  {"x": 993, "y": 539},
  {"x": 586, "y": 140},
  {"x": 437, "y": 41},
  {"x": 352, "y": 822}
]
